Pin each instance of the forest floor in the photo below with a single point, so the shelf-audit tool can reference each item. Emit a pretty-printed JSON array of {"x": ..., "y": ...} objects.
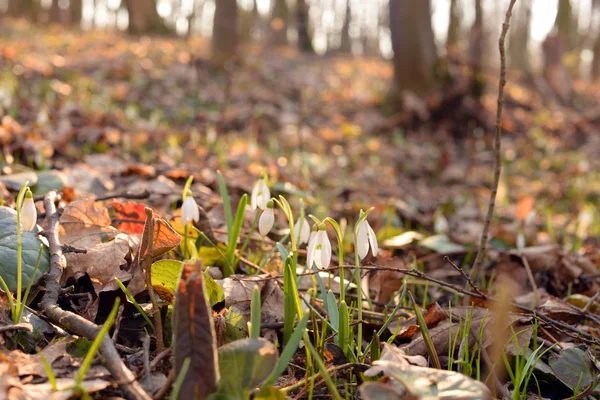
[{"x": 102, "y": 114}]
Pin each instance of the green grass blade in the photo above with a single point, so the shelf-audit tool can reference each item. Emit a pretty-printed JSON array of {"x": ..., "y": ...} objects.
[
  {"x": 289, "y": 350},
  {"x": 255, "y": 310},
  {"x": 89, "y": 357},
  {"x": 289, "y": 314},
  {"x": 49, "y": 371},
  {"x": 180, "y": 378},
  {"x": 21, "y": 307},
  {"x": 9, "y": 295},
  {"x": 344, "y": 328},
  {"x": 236, "y": 228},
  {"x": 321, "y": 366},
  {"x": 226, "y": 203},
  {"x": 135, "y": 303},
  {"x": 426, "y": 337}
]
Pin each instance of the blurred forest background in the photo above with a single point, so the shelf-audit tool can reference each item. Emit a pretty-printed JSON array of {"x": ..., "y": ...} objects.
[{"x": 545, "y": 33}]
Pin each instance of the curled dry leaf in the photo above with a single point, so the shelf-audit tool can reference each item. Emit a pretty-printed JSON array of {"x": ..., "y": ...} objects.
[
  {"x": 85, "y": 224},
  {"x": 195, "y": 337}
]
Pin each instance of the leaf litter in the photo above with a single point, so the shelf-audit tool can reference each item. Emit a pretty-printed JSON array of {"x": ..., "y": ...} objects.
[{"x": 333, "y": 146}]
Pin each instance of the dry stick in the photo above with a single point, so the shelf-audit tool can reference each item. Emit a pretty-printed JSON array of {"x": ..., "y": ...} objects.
[
  {"x": 75, "y": 323},
  {"x": 158, "y": 332},
  {"x": 497, "y": 143},
  {"x": 464, "y": 275}
]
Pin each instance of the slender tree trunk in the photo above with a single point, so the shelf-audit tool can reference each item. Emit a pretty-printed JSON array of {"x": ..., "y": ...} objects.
[
  {"x": 76, "y": 8},
  {"x": 304, "y": 39},
  {"x": 454, "y": 25},
  {"x": 555, "y": 71},
  {"x": 54, "y": 12},
  {"x": 518, "y": 47},
  {"x": 595, "y": 72},
  {"x": 346, "y": 44},
  {"x": 476, "y": 52},
  {"x": 566, "y": 24},
  {"x": 477, "y": 36},
  {"x": 279, "y": 23},
  {"x": 143, "y": 17},
  {"x": 413, "y": 45},
  {"x": 225, "y": 33}
]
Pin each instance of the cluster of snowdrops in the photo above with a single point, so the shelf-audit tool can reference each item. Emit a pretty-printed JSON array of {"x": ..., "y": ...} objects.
[{"x": 319, "y": 247}]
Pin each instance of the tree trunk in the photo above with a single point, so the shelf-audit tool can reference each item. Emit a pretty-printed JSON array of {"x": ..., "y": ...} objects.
[
  {"x": 595, "y": 72},
  {"x": 566, "y": 24},
  {"x": 413, "y": 45},
  {"x": 454, "y": 25},
  {"x": 143, "y": 17},
  {"x": 477, "y": 37},
  {"x": 54, "y": 12},
  {"x": 346, "y": 43},
  {"x": 518, "y": 47},
  {"x": 76, "y": 8},
  {"x": 279, "y": 23},
  {"x": 23, "y": 9},
  {"x": 556, "y": 73},
  {"x": 304, "y": 39},
  {"x": 225, "y": 33}
]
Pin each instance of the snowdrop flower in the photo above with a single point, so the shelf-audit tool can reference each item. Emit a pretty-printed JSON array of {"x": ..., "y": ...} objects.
[
  {"x": 189, "y": 210},
  {"x": 28, "y": 212},
  {"x": 302, "y": 232},
  {"x": 267, "y": 219},
  {"x": 441, "y": 224},
  {"x": 260, "y": 193},
  {"x": 520, "y": 241},
  {"x": 319, "y": 249},
  {"x": 313, "y": 232},
  {"x": 365, "y": 238}
]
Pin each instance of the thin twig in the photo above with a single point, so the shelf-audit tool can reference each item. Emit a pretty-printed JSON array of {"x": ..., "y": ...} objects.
[
  {"x": 464, "y": 275},
  {"x": 74, "y": 323},
  {"x": 536, "y": 298},
  {"x": 497, "y": 147}
]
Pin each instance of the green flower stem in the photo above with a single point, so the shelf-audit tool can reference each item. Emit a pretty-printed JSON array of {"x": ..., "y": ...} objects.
[
  {"x": 19, "y": 205},
  {"x": 247, "y": 240},
  {"x": 359, "y": 299}
]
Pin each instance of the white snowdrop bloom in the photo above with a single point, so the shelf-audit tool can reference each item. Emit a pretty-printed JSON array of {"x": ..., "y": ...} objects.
[
  {"x": 313, "y": 232},
  {"x": 520, "y": 241},
  {"x": 260, "y": 193},
  {"x": 319, "y": 250},
  {"x": 189, "y": 210},
  {"x": 530, "y": 218},
  {"x": 365, "y": 238},
  {"x": 441, "y": 224},
  {"x": 267, "y": 219},
  {"x": 302, "y": 232},
  {"x": 28, "y": 212}
]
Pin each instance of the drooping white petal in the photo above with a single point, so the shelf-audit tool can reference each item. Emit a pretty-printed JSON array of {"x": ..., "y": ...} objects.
[
  {"x": 310, "y": 252},
  {"x": 302, "y": 231},
  {"x": 254, "y": 196},
  {"x": 520, "y": 241},
  {"x": 362, "y": 240},
  {"x": 266, "y": 221},
  {"x": 189, "y": 210},
  {"x": 441, "y": 224},
  {"x": 263, "y": 195},
  {"x": 373, "y": 240},
  {"x": 325, "y": 251},
  {"x": 28, "y": 214}
]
